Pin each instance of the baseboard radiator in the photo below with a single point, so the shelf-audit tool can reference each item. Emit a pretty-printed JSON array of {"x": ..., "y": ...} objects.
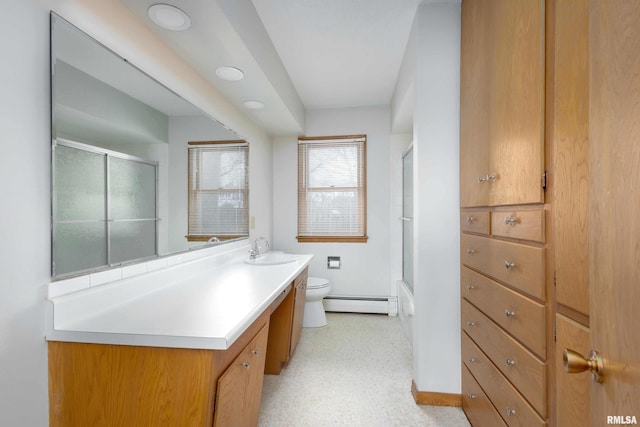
[{"x": 361, "y": 304}]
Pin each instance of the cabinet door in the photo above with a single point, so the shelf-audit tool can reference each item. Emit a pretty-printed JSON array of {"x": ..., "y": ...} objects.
[
  {"x": 298, "y": 311},
  {"x": 502, "y": 103},
  {"x": 240, "y": 387},
  {"x": 280, "y": 326},
  {"x": 517, "y": 102},
  {"x": 476, "y": 58}
]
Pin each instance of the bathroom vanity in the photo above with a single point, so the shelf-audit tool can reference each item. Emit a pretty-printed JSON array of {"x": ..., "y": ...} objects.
[{"x": 173, "y": 350}]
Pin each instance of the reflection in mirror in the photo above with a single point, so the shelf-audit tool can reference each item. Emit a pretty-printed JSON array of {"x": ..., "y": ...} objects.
[{"x": 120, "y": 162}]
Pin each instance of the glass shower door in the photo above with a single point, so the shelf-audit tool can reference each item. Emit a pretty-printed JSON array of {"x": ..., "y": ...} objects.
[{"x": 407, "y": 217}]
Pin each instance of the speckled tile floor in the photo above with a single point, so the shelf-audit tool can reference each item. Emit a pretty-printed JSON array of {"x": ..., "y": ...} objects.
[{"x": 356, "y": 371}]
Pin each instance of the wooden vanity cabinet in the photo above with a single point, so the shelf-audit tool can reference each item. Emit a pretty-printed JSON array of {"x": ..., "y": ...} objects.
[
  {"x": 120, "y": 385},
  {"x": 102, "y": 385}
]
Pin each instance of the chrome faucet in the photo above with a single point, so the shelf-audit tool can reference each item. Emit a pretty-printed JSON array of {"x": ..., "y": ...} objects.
[
  {"x": 255, "y": 249},
  {"x": 213, "y": 241}
]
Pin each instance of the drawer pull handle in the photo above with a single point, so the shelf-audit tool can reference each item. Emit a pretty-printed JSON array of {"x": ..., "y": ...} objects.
[
  {"x": 255, "y": 352},
  {"x": 509, "y": 313},
  {"x": 510, "y": 411},
  {"x": 246, "y": 365},
  {"x": 471, "y": 396},
  {"x": 471, "y": 251},
  {"x": 472, "y": 360},
  {"x": 510, "y": 362},
  {"x": 510, "y": 220},
  {"x": 509, "y": 265},
  {"x": 471, "y": 324},
  {"x": 470, "y": 219},
  {"x": 470, "y": 287},
  {"x": 486, "y": 178}
]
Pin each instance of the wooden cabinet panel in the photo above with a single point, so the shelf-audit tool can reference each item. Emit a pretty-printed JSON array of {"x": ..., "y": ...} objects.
[
  {"x": 525, "y": 225},
  {"x": 109, "y": 385},
  {"x": 300, "y": 296},
  {"x": 520, "y": 266},
  {"x": 511, "y": 406},
  {"x": 475, "y": 222},
  {"x": 502, "y": 103},
  {"x": 240, "y": 387},
  {"x": 570, "y": 135},
  {"x": 572, "y": 399},
  {"x": 515, "y": 362},
  {"x": 517, "y": 103},
  {"x": 477, "y": 406},
  {"x": 475, "y": 69},
  {"x": 280, "y": 325},
  {"x": 523, "y": 318}
]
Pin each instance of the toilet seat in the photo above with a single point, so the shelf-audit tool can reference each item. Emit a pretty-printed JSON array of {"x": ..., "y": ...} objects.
[{"x": 316, "y": 283}]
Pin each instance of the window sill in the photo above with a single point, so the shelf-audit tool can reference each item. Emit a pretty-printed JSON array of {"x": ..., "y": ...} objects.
[
  {"x": 199, "y": 238},
  {"x": 332, "y": 239}
]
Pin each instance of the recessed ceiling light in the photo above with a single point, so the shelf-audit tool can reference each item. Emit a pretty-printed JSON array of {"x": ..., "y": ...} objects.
[
  {"x": 169, "y": 17},
  {"x": 253, "y": 105},
  {"x": 229, "y": 73}
]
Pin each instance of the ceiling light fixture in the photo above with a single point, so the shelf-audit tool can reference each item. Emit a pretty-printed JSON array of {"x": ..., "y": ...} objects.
[
  {"x": 253, "y": 105},
  {"x": 231, "y": 74},
  {"x": 169, "y": 17}
]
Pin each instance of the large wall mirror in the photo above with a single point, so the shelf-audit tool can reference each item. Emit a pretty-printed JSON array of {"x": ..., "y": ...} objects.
[{"x": 122, "y": 171}]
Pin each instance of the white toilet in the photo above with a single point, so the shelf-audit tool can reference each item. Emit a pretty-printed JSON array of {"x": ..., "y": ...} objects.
[{"x": 317, "y": 289}]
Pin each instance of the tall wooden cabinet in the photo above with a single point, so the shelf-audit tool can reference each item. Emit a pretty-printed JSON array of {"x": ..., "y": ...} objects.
[
  {"x": 504, "y": 236},
  {"x": 569, "y": 247}
]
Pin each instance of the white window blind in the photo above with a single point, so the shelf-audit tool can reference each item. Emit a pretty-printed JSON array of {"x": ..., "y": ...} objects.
[
  {"x": 332, "y": 194},
  {"x": 218, "y": 190}
]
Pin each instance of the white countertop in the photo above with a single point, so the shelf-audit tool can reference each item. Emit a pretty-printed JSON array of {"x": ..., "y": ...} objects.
[{"x": 196, "y": 307}]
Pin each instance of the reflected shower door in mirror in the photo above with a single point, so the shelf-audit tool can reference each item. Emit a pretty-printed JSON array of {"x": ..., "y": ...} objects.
[
  {"x": 104, "y": 207},
  {"x": 120, "y": 159}
]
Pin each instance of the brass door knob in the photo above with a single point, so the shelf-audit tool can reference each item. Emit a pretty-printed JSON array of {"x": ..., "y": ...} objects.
[{"x": 575, "y": 363}]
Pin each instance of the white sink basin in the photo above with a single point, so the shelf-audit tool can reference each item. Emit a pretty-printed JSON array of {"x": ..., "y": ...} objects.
[{"x": 272, "y": 259}]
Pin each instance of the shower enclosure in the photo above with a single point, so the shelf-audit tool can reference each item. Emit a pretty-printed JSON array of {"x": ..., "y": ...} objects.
[{"x": 405, "y": 286}]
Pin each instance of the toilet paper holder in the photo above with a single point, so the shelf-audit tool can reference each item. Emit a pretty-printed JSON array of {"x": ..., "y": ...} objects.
[{"x": 333, "y": 262}]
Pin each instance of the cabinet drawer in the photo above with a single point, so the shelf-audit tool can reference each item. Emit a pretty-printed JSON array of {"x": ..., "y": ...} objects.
[
  {"x": 475, "y": 222},
  {"x": 511, "y": 406},
  {"x": 520, "y": 316},
  {"x": 521, "y": 367},
  {"x": 526, "y": 225},
  {"x": 476, "y": 404},
  {"x": 520, "y": 266}
]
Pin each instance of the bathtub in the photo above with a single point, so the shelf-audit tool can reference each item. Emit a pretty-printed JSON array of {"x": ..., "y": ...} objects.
[{"x": 406, "y": 309}]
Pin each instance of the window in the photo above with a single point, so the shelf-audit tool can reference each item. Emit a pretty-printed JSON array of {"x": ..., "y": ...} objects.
[
  {"x": 218, "y": 190},
  {"x": 332, "y": 193}
]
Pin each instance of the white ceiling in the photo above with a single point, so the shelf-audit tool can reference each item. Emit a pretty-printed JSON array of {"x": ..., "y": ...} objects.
[
  {"x": 296, "y": 54},
  {"x": 340, "y": 53}
]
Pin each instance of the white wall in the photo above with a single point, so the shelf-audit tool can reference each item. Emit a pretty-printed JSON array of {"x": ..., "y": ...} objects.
[
  {"x": 436, "y": 181},
  {"x": 25, "y": 174},
  {"x": 365, "y": 267}
]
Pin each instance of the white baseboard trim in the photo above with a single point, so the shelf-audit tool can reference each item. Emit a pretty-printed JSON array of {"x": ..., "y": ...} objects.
[{"x": 381, "y": 305}]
